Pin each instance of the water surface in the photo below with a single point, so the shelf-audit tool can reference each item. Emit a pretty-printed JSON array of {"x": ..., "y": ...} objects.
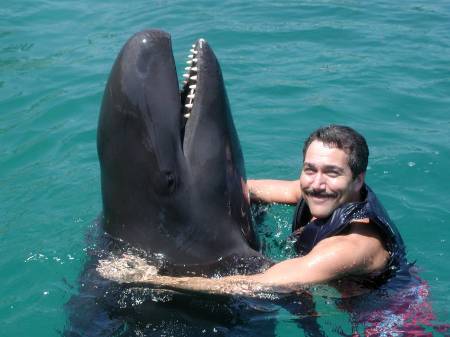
[{"x": 380, "y": 67}]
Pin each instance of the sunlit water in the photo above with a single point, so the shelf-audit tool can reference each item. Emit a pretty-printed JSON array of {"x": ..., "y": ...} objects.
[{"x": 381, "y": 67}]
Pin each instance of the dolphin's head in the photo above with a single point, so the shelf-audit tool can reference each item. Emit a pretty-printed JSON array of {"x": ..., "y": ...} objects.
[{"x": 172, "y": 170}]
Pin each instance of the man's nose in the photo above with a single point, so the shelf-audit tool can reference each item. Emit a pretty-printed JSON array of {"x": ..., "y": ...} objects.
[{"x": 318, "y": 182}]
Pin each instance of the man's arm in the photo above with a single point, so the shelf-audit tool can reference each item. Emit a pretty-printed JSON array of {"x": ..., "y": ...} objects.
[
  {"x": 279, "y": 191},
  {"x": 358, "y": 253}
]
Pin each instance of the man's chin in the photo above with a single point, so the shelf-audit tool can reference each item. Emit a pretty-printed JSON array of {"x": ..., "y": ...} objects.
[{"x": 320, "y": 211}]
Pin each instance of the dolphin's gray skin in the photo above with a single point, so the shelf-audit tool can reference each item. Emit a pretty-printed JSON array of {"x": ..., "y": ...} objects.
[{"x": 172, "y": 185}]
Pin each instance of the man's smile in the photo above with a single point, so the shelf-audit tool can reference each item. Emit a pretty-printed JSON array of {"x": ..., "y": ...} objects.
[{"x": 320, "y": 195}]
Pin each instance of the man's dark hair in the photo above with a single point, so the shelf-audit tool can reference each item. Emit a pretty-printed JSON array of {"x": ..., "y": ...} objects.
[{"x": 346, "y": 139}]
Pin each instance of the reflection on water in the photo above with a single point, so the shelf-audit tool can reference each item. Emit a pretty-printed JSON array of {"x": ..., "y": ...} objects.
[{"x": 400, "y": 307}]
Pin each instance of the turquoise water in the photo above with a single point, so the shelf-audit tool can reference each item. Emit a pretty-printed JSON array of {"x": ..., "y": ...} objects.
[{"x": 380, "y": 67}]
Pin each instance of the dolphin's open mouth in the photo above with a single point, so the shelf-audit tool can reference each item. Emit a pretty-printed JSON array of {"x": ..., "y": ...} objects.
[
  {"x": 191, "y": 90},
  {"x": 190, "y": 78}
]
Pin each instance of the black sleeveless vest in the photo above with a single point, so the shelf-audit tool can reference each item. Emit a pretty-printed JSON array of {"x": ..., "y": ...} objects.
[{"x": 310, "y": 233}]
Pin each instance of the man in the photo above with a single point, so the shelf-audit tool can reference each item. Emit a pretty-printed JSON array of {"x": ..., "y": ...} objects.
[{"x": 342, "y": 230}]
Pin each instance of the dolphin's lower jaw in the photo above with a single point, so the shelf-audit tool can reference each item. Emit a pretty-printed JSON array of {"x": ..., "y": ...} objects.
[{"x": 172, "y": 169}]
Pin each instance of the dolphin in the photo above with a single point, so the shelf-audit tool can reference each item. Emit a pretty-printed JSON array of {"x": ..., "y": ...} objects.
[{"x": 172, "y": 170}]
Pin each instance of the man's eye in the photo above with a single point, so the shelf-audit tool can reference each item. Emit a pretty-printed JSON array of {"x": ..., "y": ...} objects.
[
  {"x": 333, "y": 174},
  {"x": 308, "y": 170}
]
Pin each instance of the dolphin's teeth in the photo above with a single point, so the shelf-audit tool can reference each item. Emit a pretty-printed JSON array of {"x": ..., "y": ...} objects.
[{"x": 190, "y": 78}]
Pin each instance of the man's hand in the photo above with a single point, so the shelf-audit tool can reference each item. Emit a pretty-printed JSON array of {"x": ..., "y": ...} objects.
[{"x": 126, "y": 269}]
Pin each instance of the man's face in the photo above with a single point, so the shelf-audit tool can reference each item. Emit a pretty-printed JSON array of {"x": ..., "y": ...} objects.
[{"x": 326, "y": 179}]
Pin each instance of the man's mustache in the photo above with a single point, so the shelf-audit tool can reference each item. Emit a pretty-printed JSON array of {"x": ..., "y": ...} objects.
[{"x": 319, "y": 194}]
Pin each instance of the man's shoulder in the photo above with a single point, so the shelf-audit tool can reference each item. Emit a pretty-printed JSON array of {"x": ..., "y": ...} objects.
[
  {"x": 360, "y": 235},
  {"x": 362, "y": 242}
]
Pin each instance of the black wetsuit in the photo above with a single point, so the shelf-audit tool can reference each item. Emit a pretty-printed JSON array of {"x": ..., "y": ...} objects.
[{"x": 310, "y": 233}]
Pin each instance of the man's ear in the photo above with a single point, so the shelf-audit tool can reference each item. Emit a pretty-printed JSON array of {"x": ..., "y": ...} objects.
[{"x": 359, "y": 180}]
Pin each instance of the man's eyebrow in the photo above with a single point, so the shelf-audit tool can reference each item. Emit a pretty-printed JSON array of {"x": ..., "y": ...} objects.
[
  {"x": 308, "y": 165},
  {"x": 325, "y": 168},
  {"x": 333, "y": 168}
]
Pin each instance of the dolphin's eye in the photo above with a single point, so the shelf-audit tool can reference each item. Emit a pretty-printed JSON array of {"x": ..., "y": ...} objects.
[
  {"x": 170, "y": 181},
  {"x": 164, "y": 183}
]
